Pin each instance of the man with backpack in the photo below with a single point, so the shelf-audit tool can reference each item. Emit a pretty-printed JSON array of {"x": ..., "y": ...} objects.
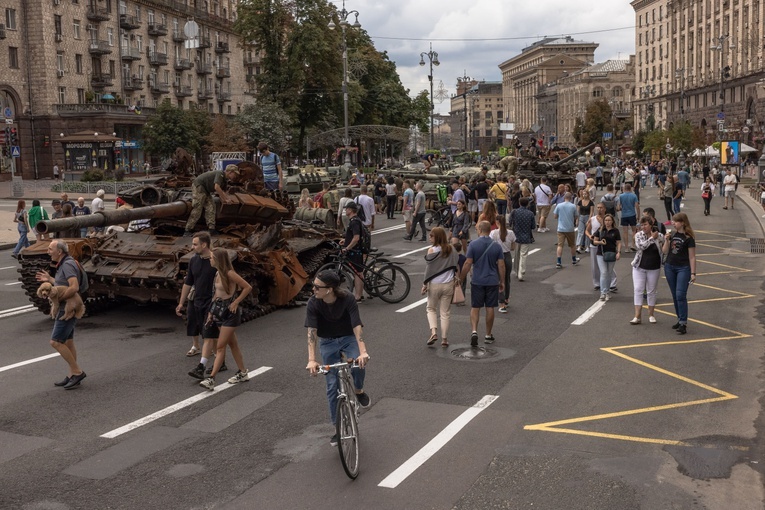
[
  {"x": 609, "y": 200},
  {"x": 355, "y": 235},
  {"x": 366, "y": 212},
  {"x": 68, "y": 274}
]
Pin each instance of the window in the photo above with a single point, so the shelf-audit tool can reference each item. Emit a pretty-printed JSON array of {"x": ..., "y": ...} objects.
[
  {"x": 597, "y": 92},
  {"x": 76, "y": 28},
  {"x": 10, "y": 19},
  {"x": 110, "y": 36},
  {"x": 62, "y": 95},
  {"x": 57, "y": 24},
  {"x": 112, "y": 67},
  {"x": 78, "y": 64},
  {"x": 60, "y": 60},
  {"x": 139, "y": 43},
  {"x": 141, "y": 70},
  {"x": 150, "y": 15},
  {"x": 13, "y": 57},
  {"x": 138, "y": 13},
  {"x": 80, "y": 96}
]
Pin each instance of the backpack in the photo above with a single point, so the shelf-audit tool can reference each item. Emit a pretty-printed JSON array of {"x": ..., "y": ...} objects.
[
  {"x": 610, "y": 204},
  {"x": 360, "y": 213},
  {"x": 365, "y": 239}
]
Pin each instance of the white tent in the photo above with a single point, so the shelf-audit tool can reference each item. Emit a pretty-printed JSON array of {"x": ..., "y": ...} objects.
[
  {"x": 745, "y": 149},
  {"x": 709, "y": 151}
]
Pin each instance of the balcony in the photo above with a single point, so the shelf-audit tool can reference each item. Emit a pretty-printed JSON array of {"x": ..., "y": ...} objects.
[
  {"x": 99, "y": 81},
  {"x": 99, "y": 47},
  {"x": 130, "y": 53},
  {"x": 204, "y": 42},
  {"x": 182, "y": 64},
  {"x": 159, "y": 88},
  {"x": 251, "y": 60},
  {"x": 251, "y": 92},
  {"x": 134, "y": 83},
  {"x": 183, "y": 91},
  {"x": 157, "y": 30},
  {"x": 204, "y": 95},
  {"x": 222, "y": 47},
  {"x": 157, "y": 59},
  {"x": 99, "y": 109},
  {"x": 128, "y": 22},
  {"x": 98, "y": 14},
  {"x": 223, "y": 72},
  {"x": 224, "y": 97},
  {"x": 203, "y": 68},
  {"x": 179, "y": 36}
]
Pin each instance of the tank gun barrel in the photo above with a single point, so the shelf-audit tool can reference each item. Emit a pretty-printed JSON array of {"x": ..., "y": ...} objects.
[
  {"x": 575, "y": 154},
  {"x": 116, "y": 217}
]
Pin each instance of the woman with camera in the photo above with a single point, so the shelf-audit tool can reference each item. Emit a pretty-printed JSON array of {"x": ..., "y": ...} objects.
[
  {"x": 707, "y": 192},
  {"x": 646, "y": 267},
  {"x": 609, "y": 243}
]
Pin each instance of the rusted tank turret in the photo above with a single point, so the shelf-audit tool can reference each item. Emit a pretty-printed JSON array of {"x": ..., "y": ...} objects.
[
  {"x": 147, "y": 262},
  {"x": 557, "y": 172}
]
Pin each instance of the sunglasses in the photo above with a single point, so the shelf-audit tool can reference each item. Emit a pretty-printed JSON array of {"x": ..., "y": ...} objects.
[{"x": 321, "y": 286}]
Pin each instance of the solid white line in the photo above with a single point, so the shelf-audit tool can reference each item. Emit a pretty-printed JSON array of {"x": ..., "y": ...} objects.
[
  {"x": 532, "y": 252},
  {"x": 426, "y": 452},
  {"x": 17, "y": 311},
  {"x": 590, "y": 313},
  {"x": 413, "y": 305},
  {"x": 175, "y": 407},
  {"x": 13, "y": 283},
  {"x": 410, "y": 252},
  {"x": 9, "y": 267},
  {"x": 387, "y": 229},
  {"x": 28, "y": 362}
]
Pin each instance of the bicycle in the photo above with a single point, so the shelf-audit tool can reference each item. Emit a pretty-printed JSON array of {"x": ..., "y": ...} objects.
[
  {"x": 347, "y": 416},
  {"x": 441, "y": 217},
  {"x": 382, "y": 278}
]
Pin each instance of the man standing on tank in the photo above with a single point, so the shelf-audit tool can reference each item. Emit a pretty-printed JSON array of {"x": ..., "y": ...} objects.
[
  {"x": 272, "y": 167},
  {"x": 201, "y": 197},
  {"x": 200, "y": 276}
]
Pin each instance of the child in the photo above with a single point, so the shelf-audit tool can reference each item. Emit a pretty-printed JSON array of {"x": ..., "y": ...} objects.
[{"x": 460, "y": 262}]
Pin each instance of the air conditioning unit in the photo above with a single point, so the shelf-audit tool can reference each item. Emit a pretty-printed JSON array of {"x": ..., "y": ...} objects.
[
  {"x": 59, "y": 37},
  {"x": 60, "y": 73}
]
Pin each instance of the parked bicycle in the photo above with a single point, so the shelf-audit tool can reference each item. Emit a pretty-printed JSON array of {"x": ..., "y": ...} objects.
[
  {"x": 347, "y": 416},
  {"x": 382, "y": 278},
  {"x": 441, "y": 217}
]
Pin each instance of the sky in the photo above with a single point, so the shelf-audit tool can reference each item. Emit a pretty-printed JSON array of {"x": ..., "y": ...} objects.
[{"x": 460, "y": 32}]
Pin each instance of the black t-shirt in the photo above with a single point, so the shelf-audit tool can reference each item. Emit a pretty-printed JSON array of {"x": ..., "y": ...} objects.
[
  {"x": 611, "y": 237},
  {"x": 380, "y": 189},
  {"x": 651, "y": 258},
  {"x": 201, "y": 276},
  {"x": 678, "y": 249},
  {"x": 482, "y": 190},
  {"x": 334, "y": 319},
  {"x": 354, "y": 229}
]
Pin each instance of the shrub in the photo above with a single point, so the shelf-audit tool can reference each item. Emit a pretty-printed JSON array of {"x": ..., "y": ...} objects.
[{"x": 92, "y": 175}]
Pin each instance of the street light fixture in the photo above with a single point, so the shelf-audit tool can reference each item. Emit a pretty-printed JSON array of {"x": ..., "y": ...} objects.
[
  {"x": 680, "y": 74},
  {"x": 344, "y": 23},
  {"x": 724, "y": 74},
  {"x": 433, "y": 58},
  {"x": 288, "y": 139}
]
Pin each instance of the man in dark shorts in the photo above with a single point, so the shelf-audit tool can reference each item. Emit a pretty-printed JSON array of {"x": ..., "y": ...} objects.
[
  {"x": 351, "y": 247},
  {"x": 62, "y": 338},
  {"x": 201, "y": 196},
  {"x": 429, "y": 160},
  {"x": 201, "y": 276},
  {"x": 488, "y": 263}
]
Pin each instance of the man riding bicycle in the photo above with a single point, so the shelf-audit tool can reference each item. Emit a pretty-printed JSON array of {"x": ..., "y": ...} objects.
[{"x": 334, "y": 323}]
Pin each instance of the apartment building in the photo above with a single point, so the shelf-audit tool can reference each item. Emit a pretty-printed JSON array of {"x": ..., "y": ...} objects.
[{"x": 104, "y": 65}]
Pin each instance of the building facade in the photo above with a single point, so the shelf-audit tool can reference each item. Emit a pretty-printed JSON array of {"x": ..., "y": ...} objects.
[
  {"x": 540, "y": 63},
  {"x": 104, "y": 65},
  {"x": 701, "y": 61}
]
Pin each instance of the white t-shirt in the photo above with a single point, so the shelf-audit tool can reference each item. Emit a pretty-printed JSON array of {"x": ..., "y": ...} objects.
[
  {"x": 368, "y": 204},
  {"x": 97, "y": 205},
  {"x": 341, "y": 209},
  {"x": 390, "y": 189},
  {"x": 445, "y": 277},
  {"x": 581, "y": 179},
  {"x": 509, "y": 239},
  {"x": 542, "y": 195},
  {"x": 730, "y": 182}
]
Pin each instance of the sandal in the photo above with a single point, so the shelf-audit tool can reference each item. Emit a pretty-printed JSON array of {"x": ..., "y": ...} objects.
[
  {"x": 444, "y": 343},
  {"x": 432, "y": 338},
  {"x": 193, "y": 351}
]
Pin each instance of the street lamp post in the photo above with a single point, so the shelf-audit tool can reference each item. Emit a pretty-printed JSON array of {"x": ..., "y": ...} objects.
[
  {"x": 724, "y": 74},
  {"x": 344, "y": 23},
  {"x": 433, "y": 59},
  {"x": 288, "y": 139},
  {"x": 680, "y": 73}
]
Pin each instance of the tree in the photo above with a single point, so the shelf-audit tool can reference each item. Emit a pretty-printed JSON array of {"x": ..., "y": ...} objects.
[
  {"x": 681, "y": 136},
  {"x": 265, "y": 122},
  {"x": 420, "y": 111},
  {"x": 598, "y": 119},
  {"x": 169, "y": 128},
  {"x": 226, "y": 136}
]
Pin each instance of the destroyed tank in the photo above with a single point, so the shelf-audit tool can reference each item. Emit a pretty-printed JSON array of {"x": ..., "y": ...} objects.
[
  {"x": 143, "y": 256},
  {"x": 308, "y": 177},
  {"x": 557, "y": 172}
]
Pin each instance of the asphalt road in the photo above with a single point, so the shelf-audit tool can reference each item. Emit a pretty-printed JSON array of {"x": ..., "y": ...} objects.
[{"x": 602, "y": 415}]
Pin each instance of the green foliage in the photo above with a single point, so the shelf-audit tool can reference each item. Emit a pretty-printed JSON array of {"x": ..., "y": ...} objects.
[
  {"x": 420, "y": 115},
  {"x": 265, "y": 122},
  {"x": 655, "y": 140},
  {"x": 171, "y": 127},
  {"x": 681, "y": 136},
  {"x": 93, "y": 175},
  {"x": 225, "y": 136}
]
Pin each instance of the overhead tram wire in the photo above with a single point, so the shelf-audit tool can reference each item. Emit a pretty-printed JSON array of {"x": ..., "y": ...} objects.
[{"x": 490, "y": 39}]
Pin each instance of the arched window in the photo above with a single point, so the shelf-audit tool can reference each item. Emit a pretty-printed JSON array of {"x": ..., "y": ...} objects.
[{"x": 617, "y": 92}]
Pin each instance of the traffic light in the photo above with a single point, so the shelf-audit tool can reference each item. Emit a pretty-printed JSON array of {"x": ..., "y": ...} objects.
[
  {"x": 14, "y": 140},
  {"x": 726, "y": 72}
]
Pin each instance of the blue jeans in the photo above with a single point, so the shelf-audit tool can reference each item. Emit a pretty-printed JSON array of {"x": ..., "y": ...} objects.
[
  {"x": 330, "y": 349},
  {"x": 607, "y": 274},
  {"x": 582, "y": 239},
  {"x": 501, "y": 206},
  {"x": 678, "y": 278},
  {"x": 676, "y": 204},
  {"x": 23, "y": 241}
]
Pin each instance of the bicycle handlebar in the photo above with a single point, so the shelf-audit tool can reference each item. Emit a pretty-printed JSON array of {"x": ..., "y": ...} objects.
[{"x": 351, "y": 363}]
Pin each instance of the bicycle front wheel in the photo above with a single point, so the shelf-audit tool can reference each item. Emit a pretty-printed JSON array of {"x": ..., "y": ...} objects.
[
  {"x": 347, "y": 437},
  {"x": 392, "y": 283},
  {"x": 432, "y": 218}
]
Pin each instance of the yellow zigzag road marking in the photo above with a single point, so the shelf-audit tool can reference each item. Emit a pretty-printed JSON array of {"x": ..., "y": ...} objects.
[{"x": 555, "y": 426}]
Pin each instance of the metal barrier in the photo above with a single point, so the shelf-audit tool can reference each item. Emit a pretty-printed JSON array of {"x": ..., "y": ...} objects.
[{"x": 76, "y": 187}]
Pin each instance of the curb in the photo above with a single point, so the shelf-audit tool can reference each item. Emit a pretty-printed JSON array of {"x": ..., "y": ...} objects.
[
  {"x": 755, "y": 208},
  {"x": 8, "y": 246}
]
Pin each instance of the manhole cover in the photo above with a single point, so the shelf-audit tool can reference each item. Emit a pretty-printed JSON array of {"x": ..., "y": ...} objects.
[
  {"x": 756, "y": 245},
  {"x": 474, "y": 353}
]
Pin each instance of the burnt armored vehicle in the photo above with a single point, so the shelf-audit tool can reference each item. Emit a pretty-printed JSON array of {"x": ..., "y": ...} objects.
[
  {"x": 147, "y": 263},
  {"x": 557, "y": 172}
]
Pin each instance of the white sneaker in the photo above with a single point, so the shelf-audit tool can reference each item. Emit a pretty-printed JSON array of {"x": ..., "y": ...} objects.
[
  {"x": 208, "y": 383},
  {"x": 239, "y": 377},
  {"x": 540, "y": 230}
]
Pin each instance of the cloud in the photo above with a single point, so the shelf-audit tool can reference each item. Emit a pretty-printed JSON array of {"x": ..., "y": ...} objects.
[{"x": 404, "y": 28}]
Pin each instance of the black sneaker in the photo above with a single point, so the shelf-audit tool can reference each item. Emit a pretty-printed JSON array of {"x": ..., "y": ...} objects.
[
  {"x": 198, "y": 372},
  {"x": 676, "y": 325},
  {"x": 575, "y": 260},
  {"x": 74, "y": 381},
  {"x": 407, "y": 238},
  {"x": 681, "y": 329},
  {"x": 613, "y": 289},
  {"x": 488, "y": 339},
  {"x": 223, "y": 368},
  {"x": 474, "y": 339},
  {"x": 62, "y": 383},
  {"x": 364, "y": 400},
  {"x": 333, "y": 440}
]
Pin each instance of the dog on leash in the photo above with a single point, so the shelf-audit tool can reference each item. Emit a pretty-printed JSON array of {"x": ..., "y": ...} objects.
[{"x": 74, "y": 307}]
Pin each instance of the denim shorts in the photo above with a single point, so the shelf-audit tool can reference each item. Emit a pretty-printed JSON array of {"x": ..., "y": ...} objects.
[
  {"x": 629, "y": 221},
  {"x": 484, "y": 296},
  {"x": 63, "y": 330}
]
